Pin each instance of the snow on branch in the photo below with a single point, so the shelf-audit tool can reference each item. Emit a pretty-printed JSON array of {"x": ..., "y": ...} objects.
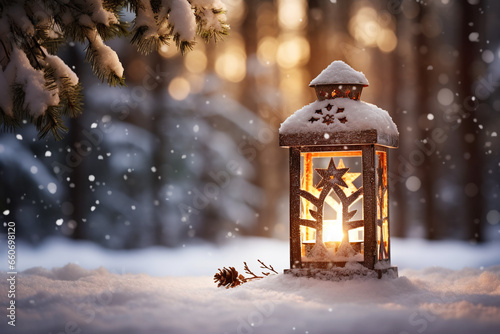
[
  {"x": 211, "y": 18},
  {"x": 37, "y": 86},
  {"x": 158, "y": 22},
  {"x": 181, "y": 21},
  {"x": 104, "y": 60}
]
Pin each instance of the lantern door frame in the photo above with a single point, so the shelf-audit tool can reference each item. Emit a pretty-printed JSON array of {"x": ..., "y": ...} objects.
[{"x": 369, "y": 174}]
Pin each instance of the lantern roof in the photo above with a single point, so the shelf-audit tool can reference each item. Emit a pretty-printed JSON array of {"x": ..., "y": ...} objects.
[
  {"x": 340, "y": 121},
  {"x": 339, "y": 72}
]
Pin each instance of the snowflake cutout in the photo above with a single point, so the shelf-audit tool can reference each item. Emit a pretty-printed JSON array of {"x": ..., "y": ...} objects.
[
  {"x": 328, "y": 119},
  {"x": 331, "y": 175}
]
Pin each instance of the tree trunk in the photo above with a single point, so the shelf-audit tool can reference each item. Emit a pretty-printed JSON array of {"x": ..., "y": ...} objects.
[
  {"x": 427, "y": 171},
  {"x": 473, "y": 179}
]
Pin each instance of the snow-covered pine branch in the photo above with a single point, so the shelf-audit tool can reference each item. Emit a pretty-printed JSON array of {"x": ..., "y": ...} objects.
[{"x": 37, "y": 86}]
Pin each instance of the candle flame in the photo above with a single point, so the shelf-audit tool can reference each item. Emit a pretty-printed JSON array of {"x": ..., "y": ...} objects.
[{"x": 332, "y": 231}]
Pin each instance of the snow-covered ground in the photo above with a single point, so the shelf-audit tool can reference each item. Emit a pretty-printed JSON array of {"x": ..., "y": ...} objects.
[
  {"x": 161, "y": 290},
  {"x": 204, "y": 258}
]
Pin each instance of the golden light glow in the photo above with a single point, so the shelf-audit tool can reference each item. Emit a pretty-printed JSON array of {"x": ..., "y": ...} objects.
[
  {"x": 195, "y": 61},
  {"x": 167, "y": 51},
  {"x": 237, "y": 10},
  {"x": 373, "y": 29},
  {"x": 267, "y": 49},
  {"x": 292, "y": 14},
  {"x": 291, "y": 81},
  {"x": 387, "y": 40},
  {"x": 356, "y": 234},
  {"x": 179, "y": 88},
  {"x": 332, "y": 230},
  {"x": 292, "y": 87},
  {"x": 348, "y": 179},
  {"x": 364, "y": 26},
  {"x": 293, "y": 52},
  {"x": 231, "y": 65}
]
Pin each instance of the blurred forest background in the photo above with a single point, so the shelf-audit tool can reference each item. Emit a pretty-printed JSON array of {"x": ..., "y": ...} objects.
[{"x": 189, "y": 148}]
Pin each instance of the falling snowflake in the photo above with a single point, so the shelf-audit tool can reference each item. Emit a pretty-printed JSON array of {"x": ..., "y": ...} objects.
[{"x": 52, "y": 188}]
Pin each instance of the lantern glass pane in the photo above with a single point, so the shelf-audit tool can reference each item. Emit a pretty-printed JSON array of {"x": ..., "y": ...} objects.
[
  {"x": 382, "y": 195},
  {"x": 331, "y": 207}
]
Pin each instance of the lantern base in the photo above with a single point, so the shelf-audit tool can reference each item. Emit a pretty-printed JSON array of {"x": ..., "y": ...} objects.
[{"x": 341, "y": 274}]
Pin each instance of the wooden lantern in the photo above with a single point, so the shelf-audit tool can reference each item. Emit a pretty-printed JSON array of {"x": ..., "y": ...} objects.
[{"x": 339, "y": 205}]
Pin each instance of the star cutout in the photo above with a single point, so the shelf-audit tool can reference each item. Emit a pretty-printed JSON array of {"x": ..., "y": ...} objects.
[
  {"x": 329, "y": 107},
  {"x": 342, "y": 120},
  {"x": 348, "y": 178},
  {"x": 331, "y": 175},
  {"x": 319, "y": 112},
  {"x": 313, "y": 119},
  {"x": 339, "y": 110},
  {"x": 328, "y": 119}
]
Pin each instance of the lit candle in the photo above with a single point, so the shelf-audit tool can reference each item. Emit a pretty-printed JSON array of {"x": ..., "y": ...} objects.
[{"x": 332, "y": 231}]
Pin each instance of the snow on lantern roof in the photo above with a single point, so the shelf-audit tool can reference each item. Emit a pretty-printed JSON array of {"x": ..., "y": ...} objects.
[
  {"x": 339, "y": 73},
  {"x": 338, "y": 122}
]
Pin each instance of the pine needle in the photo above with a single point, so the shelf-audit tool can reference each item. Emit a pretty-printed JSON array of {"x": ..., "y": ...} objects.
[{"x": 71, "y": 21}]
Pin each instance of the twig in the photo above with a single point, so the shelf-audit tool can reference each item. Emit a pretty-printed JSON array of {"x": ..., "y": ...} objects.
[
  {"x": 229, "y": 277},
  {"x": 265, "y": 266},
  {"x": 249, "y": 272}
]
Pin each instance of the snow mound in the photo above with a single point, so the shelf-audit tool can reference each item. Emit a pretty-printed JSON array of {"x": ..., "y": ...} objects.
[
  {"x": 70, "y": 272},
  {"x": 339, "y": 72},
  {"x": 339, "y": 115},
  {"x": 434, "y": 300}
]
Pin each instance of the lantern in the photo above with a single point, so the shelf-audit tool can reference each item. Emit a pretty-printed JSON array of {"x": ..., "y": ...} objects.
[{"x": 339, "y": 198}]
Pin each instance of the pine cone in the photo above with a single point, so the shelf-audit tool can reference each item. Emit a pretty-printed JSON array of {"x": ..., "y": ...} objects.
[{"x": 228, "y": 277}]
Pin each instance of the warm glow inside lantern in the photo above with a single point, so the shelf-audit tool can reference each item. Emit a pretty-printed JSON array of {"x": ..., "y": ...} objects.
[{"x": 339, "y": 207}]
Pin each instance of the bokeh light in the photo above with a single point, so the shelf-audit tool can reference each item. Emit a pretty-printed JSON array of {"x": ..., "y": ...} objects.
[
  {"x": 291, "y": 14},
  {"x": 195, "y": 61},
  {"x": 387, "y": 40},
  {"x": 231, "y": 65},
  {"x": 293, "y": 52},
  {"x": 266, "y": 50},
  {"x": 168, "y": 51},
  {"x": 179, "y": 88},
  {"x": 445, "y": 96}
]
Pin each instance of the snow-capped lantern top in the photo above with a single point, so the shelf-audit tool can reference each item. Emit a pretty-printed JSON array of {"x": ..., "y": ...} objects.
[
  {"x": 338, "y": 117},
  {"x": 339, "y": 80}
]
